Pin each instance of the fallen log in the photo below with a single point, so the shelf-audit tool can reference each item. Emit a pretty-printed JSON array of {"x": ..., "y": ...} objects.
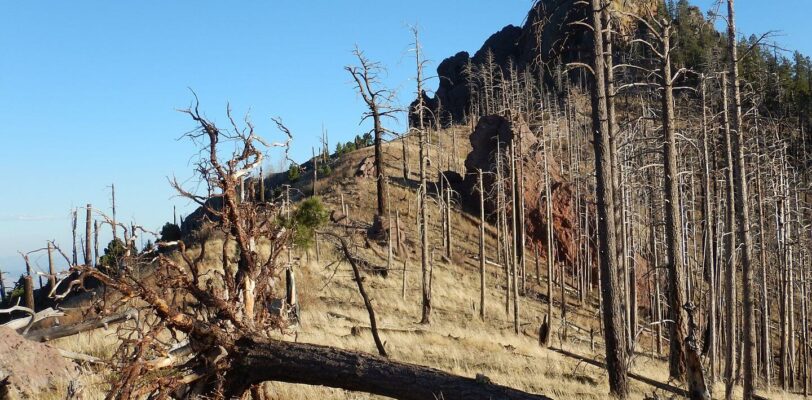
[
  {"x": 72, "y": 355},
  {"x": 56, "y": 332},
  {"x": 31, "y": 319},
  {"x": 260, "y": 360},
  {"x": 357, "y": 329},
  {"x": 651, "y": 382}
]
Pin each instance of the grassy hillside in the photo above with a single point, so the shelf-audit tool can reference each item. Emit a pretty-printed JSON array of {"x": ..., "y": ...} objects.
[{"x": 457, "y": 340}]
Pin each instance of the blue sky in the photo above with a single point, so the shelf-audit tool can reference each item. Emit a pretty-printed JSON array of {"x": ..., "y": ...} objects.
[{"x": 89, "y": 89}]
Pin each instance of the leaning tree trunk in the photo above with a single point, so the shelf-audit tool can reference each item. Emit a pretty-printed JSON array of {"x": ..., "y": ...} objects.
[{"x": 256, "y": 361}]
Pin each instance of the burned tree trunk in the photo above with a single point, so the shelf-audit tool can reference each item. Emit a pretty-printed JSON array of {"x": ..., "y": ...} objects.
[
  {"x": 260, "y": 360},
  {"x": 88, "y": 233},
  {"x": 766, "y": 349},
  {"x": 481, "y": 247},
  {"x": 424, "y": 226},
  {"x": 514, "y": 264},
  {"x": 549, "y": 242},
  {"x": 96, "y": 243},
  {"x": 709, "y": 263},
  {"x": 2, "y": 288},
  {"x": 730, "y": 254},
  {"x": 673, "y": 228},
  {"x": 51, "y": 270},
  {"x": 742, "y": 210},
  {"x": 28, "y": 291},
  {"x": 367, "y": 302},
  {"x": 74, "y": 257},
  {"x": 378, "y": 102},
  {"x": 613, "y": 326}
]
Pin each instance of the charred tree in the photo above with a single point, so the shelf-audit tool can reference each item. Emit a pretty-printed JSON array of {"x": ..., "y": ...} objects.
[
  {"x": 379, "y": 104},
  {"x": 610, "y": 294}
]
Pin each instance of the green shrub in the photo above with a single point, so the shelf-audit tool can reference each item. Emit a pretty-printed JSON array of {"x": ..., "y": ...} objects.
[
  {"x": 114, "y": 251},
  {"x": 294, "y": 173},
  {"x": 304, "y": 222},
  {"x": 324, "y": 169}
]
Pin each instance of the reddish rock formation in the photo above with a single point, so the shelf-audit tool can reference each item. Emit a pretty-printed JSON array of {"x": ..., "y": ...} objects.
[{"x": 567, "y": 232}]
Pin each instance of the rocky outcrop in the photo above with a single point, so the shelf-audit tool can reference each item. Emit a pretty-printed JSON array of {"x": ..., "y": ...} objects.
[
  {"x": 546, "y": 35},
  {"x": 27, "y": 369},
  {"x": 494, "y": 134},
  {"x": 549, "y": 36}
]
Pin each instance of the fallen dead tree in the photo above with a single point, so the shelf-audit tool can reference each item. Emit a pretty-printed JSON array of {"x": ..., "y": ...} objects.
[
  {"x": 651, "y": 382},
  {"x": 25, "y": 323},
  {"x": 56, "y": 332},
  {"x": 270, "y": 360}
]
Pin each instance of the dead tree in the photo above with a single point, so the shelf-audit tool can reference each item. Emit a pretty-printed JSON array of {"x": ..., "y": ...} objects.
[
  {"x": 678, "y": 355},
  {"x": 95, "y": 243},
  {"x": 74, "y": 256},
  {"x": 709, "y": 264},
  {"x": 2, "y": 288},
  {"x": 742, "y": 208},
  {"x": 379, "y": 102},
  {"x": 617, "y": 168},
  {"x": 344, "y": 248},
  {"x": 684, "y": 361},
  {"x": 613, "y": 326},
  {"x": 114, "y": 225},
  {"x": 515, "y": 243},
  {"x": 88, "y": 232},
  {"x": 315, "y": 174},
  {"x": 766, "y": 349},
  {"x": 423, "y": 198},
  {"x": 481, "y": 246},
  {"x": 730, "y": 251},
  {"x": 549, "y": 238},
  {"x": 51, "y": 269}
]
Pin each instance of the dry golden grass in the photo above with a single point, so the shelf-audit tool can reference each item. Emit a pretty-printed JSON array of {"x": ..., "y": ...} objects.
[{"x": 456, "y": 341}]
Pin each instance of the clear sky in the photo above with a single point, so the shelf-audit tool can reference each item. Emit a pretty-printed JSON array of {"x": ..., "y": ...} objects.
[{"x": 89, "y": 89}]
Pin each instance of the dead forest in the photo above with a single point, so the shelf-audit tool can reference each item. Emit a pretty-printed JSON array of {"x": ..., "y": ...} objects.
[{"x": 615, "y": 189}]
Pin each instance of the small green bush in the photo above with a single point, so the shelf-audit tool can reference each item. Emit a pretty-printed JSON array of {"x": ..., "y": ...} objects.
[
  {"x": 294, "y": 173},
  {"x": 310, "y": 216},
  {"x": 325, "y": 170},
  {"x": 114, "y": 251}
]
